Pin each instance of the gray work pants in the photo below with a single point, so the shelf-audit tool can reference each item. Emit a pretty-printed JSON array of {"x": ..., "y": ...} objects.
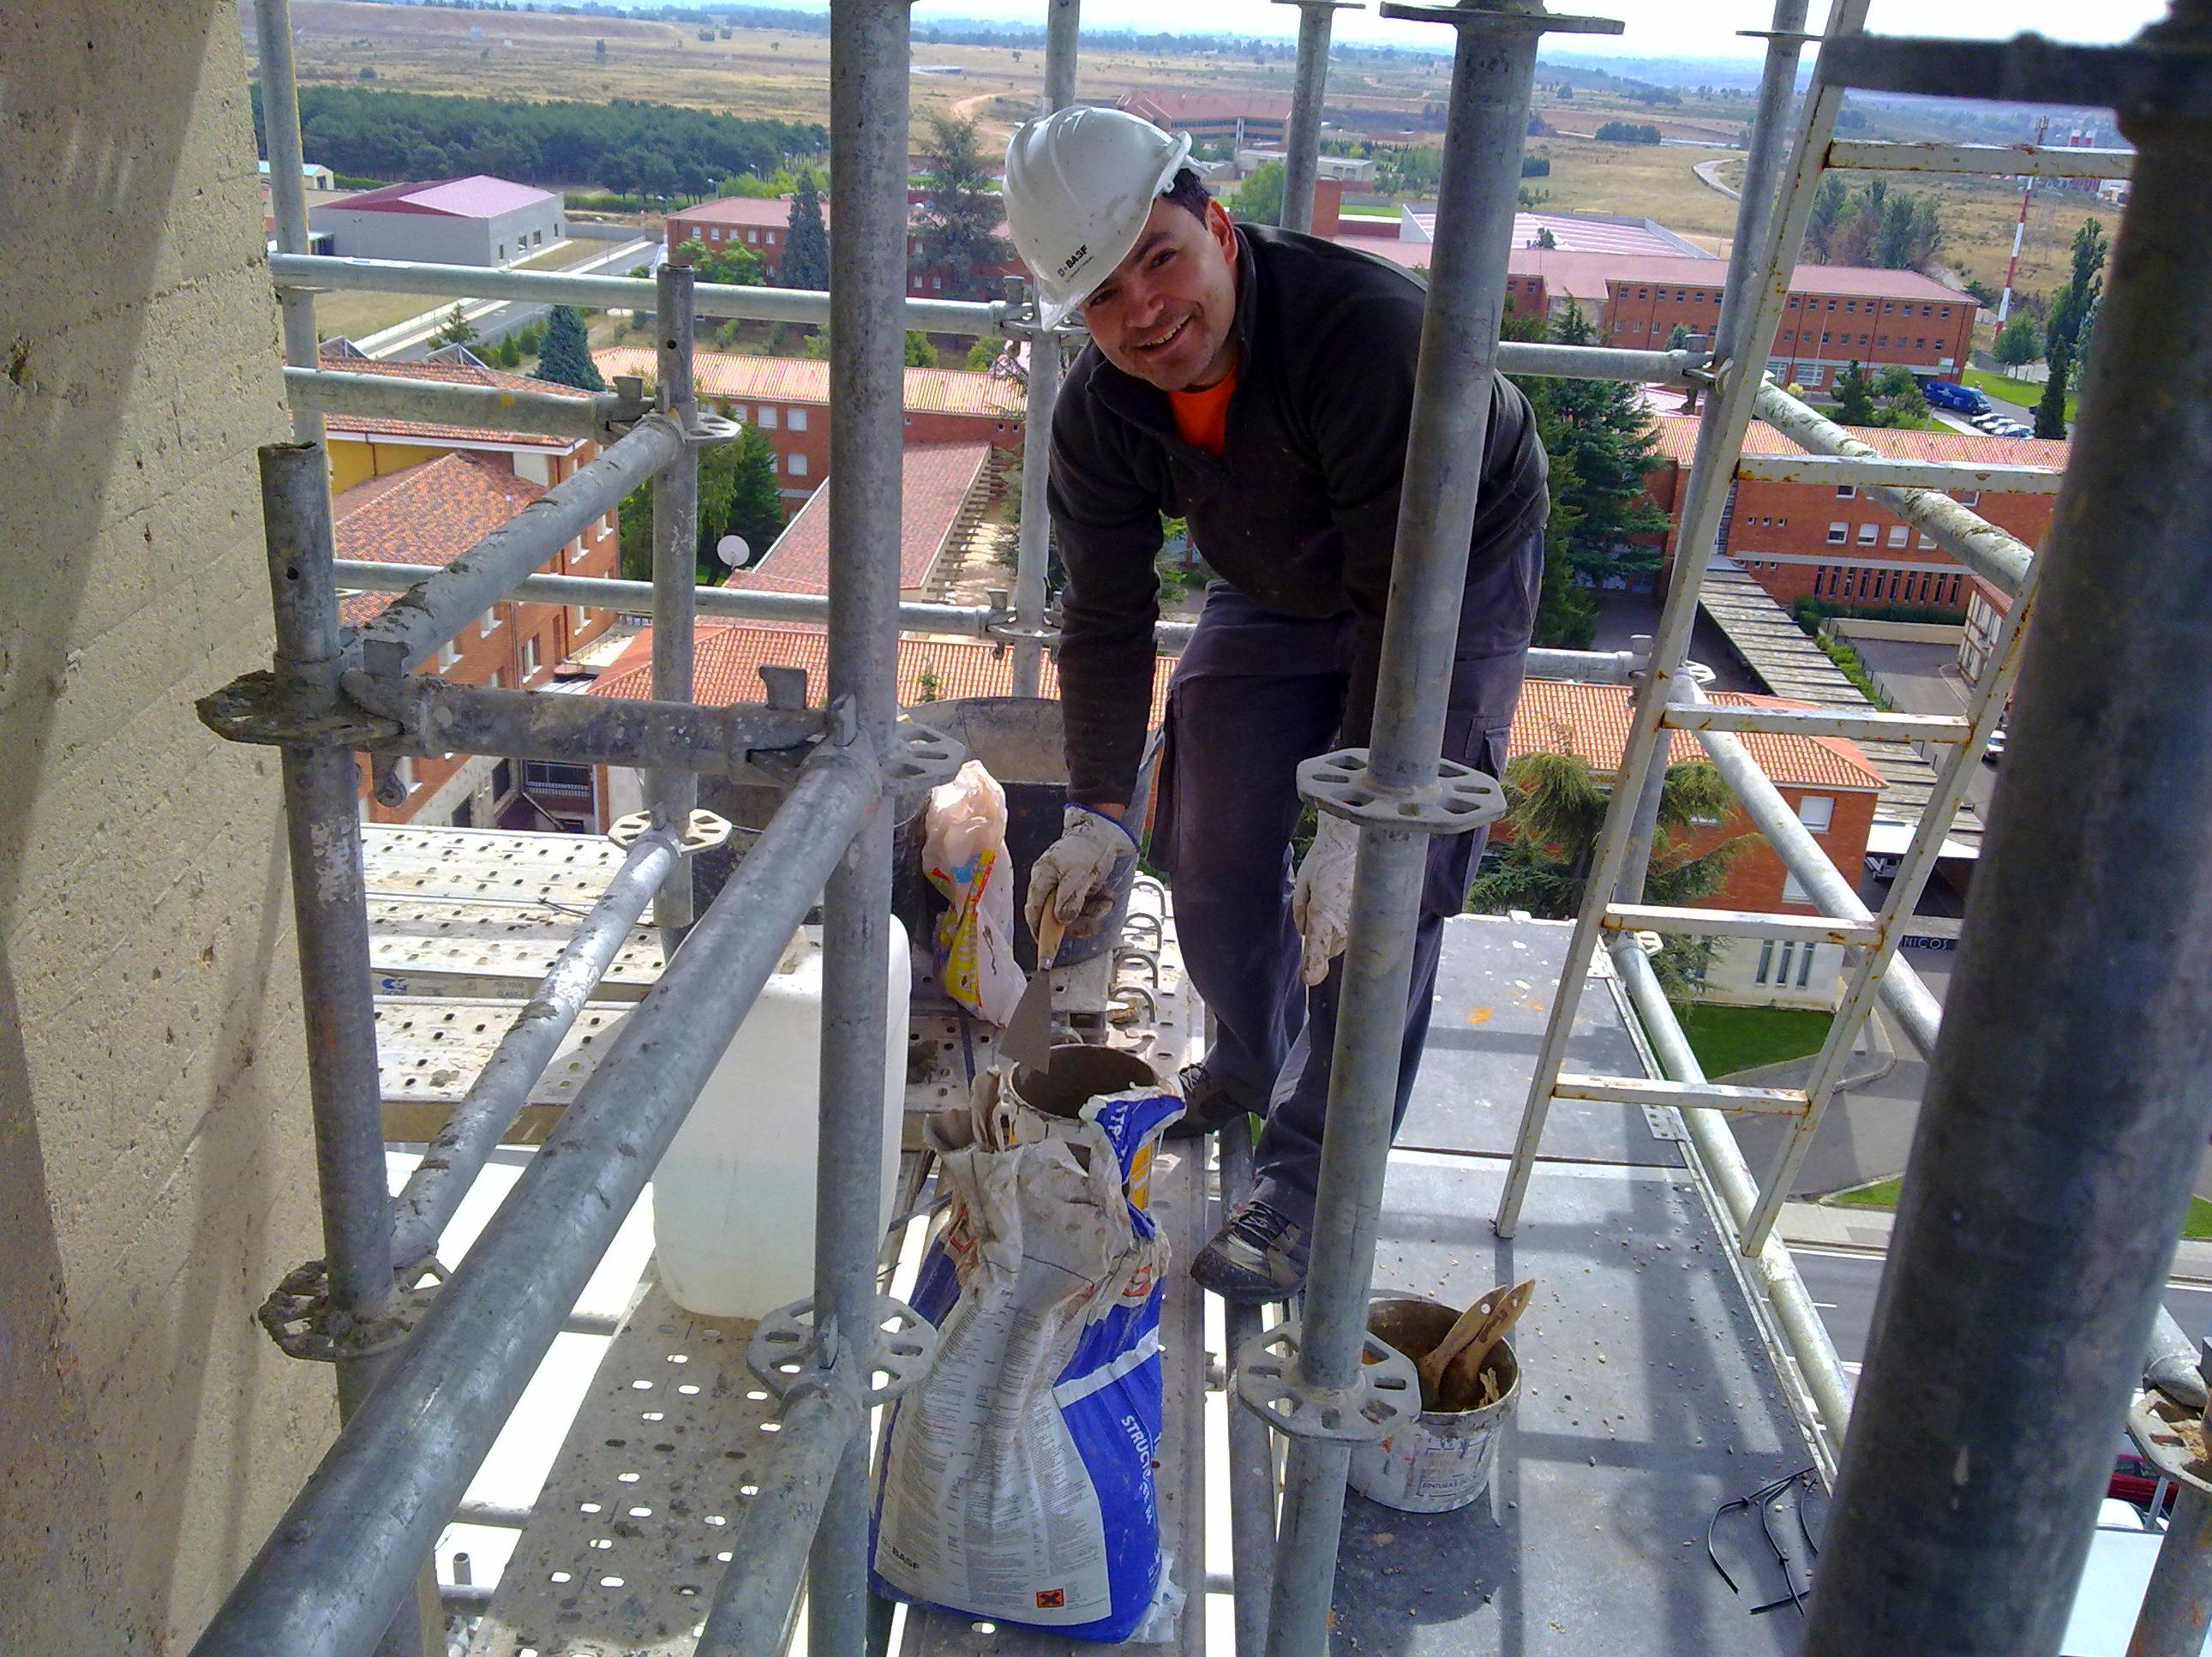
[{"x": 1256, "y": 693}]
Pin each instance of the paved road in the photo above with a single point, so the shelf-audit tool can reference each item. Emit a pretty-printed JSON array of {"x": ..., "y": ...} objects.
[
  {"x": 1709, "y": 174},
  {"x": 1924, "y": 678},
  {"x": 494, "y": 320},
  {"x": 1843, "y": 1286}
]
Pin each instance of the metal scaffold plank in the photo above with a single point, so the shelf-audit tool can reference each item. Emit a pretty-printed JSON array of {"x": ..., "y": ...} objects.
[
  {"x": 1709, "y": 1096},
  {"x": 487, "y": 865},
  {"x": 450, "y": 946}
]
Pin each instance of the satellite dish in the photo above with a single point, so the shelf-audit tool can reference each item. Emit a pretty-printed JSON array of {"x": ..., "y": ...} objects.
[{"x": 733, "y": 550}]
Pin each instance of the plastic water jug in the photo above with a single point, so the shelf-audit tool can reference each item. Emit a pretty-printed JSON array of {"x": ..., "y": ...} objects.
[{"x": 733, "y": 1200}]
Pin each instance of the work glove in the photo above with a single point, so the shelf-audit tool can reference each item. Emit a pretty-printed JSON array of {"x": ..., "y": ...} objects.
[
  {"x": 1321, "y": 896},
  {"x": 1072, "y": 873}
]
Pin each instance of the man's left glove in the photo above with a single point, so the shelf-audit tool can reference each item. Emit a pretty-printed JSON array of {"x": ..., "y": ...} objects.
[{"x": 1320, "y": 897}]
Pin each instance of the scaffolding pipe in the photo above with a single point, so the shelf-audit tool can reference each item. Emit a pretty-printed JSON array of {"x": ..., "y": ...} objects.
[
  {"x": 1251, "y": 1444},
  {"x": 720, "y": 603},
  {"x": 1033, "y": 542},
  {"x": 1824, "y": 469},
  {"x": 1302, "y": 142},
  {"x": 1811, "y": 1346},
  {"x": 288, "y": 189},
  {"x": 868, "y": 117},
  {"x": 752, "y": 1608},
  {"x": 430, "y": 612},
  {"x": 314, "y": 273},
  {"x": 672, "y": 792},
  {"x": 2065, "y": 1110},
  {"x": 1997, "y": 557},
  {"x": 330, "y": 910},
  {"x": 439, "y": 716},
  {"x": 2176, "y": 1602},
  {"x": 1720, "y": 439},
  {"x": 1492, "y": 69},
  {"x": 2013, "y": 160},
  {"x": 344, "y": 1552},
  {"x": 582, "y": 415},
  {"x": 451, "y": 1161}
]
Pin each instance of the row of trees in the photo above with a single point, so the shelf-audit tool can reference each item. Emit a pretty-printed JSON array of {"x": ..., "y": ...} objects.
[
  {"x": 1890, "y": 229},
  {"x": 1627, "y": 133},
  {"x": 2073, "y": 320},
  {"x": 1903, "y": 405},
  {"x": 625, "y": 144}
]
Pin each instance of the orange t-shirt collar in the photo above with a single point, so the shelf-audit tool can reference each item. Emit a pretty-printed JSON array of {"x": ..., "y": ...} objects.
[{"x": 1201, "y": 417}]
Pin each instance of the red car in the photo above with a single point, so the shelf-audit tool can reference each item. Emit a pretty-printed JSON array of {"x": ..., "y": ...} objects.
[{"x": 2134, "y": 1479}]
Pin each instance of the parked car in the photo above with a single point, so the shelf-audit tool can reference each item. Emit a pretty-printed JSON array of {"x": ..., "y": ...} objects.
[{"x": 1995, "y": 751}]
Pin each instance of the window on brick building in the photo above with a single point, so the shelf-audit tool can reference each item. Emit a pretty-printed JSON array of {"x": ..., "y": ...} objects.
[
  {"x": 488, "y": 622},
  {"x": 796, "y": 466},
  {"x": 1882, "y": 339},
  {"x": 1850, "y": 305},
  {"x": 448, "y": 653},
  {"x": 1815, "y": 374},
  {"x": 402, "y": 769},
  {"x": 1869, "y": 533},
  {"x": 1926, "y": 542},
  {"x": 753, "y": 236},
  {"x": 577, "y": 616},
  {"x": 1970, "y": 498},
  {"x": 1919, "y": 344},
  {"x": 1898, "y": 534},
  {"x": 1839, "y": 533},
  {"x": 1816, "y": 812},
  {"x": 767, "y": 420},
  {"x": 796, "y": 421},
  {"x": 532, "y": 658},
  {"x": 1846, "y": 491}
]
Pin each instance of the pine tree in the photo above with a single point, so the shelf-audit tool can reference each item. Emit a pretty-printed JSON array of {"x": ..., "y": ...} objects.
[
  {"x": 806, "y": 249},
  {"x": 566, "y": 356},
  {"x": 1853, "y": 397},
  {"x": 2051, "y": 407},
  {"x": 456, "y": 330},
  {"x": 955, "y": 226},
  {"x": 739, "y": 495}
]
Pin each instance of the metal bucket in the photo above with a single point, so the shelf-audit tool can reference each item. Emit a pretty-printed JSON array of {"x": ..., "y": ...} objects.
[{"x": 1441, "y": 1460}]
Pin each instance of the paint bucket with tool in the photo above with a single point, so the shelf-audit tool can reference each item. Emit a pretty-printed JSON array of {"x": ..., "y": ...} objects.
[{"x": 1470, "y": 1388}]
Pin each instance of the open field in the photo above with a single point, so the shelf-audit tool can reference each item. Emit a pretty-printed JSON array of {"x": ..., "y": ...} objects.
[
  {"x": 358, "y": 314},
  {"x": 773, "y": 74}
]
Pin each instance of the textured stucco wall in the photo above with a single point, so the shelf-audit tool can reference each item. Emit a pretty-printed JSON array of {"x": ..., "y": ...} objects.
[{"x": 155, "y": 1170}]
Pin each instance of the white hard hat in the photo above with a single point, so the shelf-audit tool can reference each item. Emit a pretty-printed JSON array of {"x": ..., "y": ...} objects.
[{"x": 1081, "y": 183}]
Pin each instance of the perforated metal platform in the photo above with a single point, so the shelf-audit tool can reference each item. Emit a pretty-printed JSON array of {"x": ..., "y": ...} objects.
[
  {"x": 430, "y": 1049},
  {"x": 633, "y": 1527}
]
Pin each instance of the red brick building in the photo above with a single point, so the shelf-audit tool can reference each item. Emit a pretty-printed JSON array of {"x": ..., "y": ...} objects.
[
  {"x": 1834, "y": 542},
  {"x": 787, "y": 398},
  {"x": 1826, "y": 780},
  {"x": 430, "y": 514},
  {"x": 1835, "y": 315},
  {"x": 762, "y": 227}
]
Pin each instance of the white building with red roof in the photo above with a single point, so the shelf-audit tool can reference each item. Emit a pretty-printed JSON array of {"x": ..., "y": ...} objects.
[{"x": 476, "y": 220}]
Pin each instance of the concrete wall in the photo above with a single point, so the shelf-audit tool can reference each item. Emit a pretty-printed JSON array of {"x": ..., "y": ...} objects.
[{"x": 156, "y": 1175}]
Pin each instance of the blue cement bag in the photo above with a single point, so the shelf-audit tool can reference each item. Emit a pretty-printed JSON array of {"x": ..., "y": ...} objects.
[{"x": 1016, "y": 1482}]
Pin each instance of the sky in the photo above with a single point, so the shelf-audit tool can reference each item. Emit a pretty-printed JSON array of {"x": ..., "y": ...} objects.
[{"x": 1656, "y": 28}]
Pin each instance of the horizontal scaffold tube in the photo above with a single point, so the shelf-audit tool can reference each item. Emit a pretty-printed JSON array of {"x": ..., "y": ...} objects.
[
  {"x": 346, "y": 1551},
  {"x": 451, "y": 1161},
  {"x": 1989, "y": 553},
  {"x": 798, "y": 305},
  {"x": 433, "y": 611},
  {"x": 454, "y": 403},
  {"x": 439, "y": 716}
]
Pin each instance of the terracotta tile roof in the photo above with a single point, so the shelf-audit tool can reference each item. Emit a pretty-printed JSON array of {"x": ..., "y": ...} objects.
[
  {"x": 1678, "y": 437},
  {"x": 762, "y": 210},
  {"x": 1591, "y": 721},
  {"x": 723, "y": 377},
  {"x": 1585, "y": 276},
  {"x": 456, "y": 373},
  {"x": 728, "y": 656},
  {"x": 1174, "y": 107},
  {"x": 936, "y": 481},
  {"x": 427, "y": 514}
]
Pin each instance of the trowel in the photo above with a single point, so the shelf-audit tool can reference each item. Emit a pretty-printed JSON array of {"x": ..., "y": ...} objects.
[{"x": 1027, "y": 1039}]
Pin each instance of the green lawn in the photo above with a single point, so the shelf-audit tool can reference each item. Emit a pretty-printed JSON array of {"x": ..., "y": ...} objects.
[
  {"x": 2025, "y": 392},
  {"x": 1727, "y": 1039},
  {"x": 1882, "y": 1194}
]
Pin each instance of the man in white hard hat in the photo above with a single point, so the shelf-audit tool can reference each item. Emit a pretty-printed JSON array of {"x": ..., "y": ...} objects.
[{"x": 1258, "y": 383}]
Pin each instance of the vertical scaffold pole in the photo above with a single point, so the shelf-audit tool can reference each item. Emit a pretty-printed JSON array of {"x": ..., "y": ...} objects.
[
  {"x": 1033, "y": 546},
  {"x": 1302, "y": 143},
  {"x": 675, "y": 578},
  {"x": 867, "y": 286},
  {"x": 1491, "y": 73},
  {"x": 288, "y": 189},
  {"x": 329, "y": 908},
  {"x": 2065, "y": 1111},
  {"x": 1762, "y": 168}
]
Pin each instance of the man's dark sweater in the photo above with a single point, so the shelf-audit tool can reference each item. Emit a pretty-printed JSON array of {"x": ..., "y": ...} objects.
[{"x": 1301, "y": 510}]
